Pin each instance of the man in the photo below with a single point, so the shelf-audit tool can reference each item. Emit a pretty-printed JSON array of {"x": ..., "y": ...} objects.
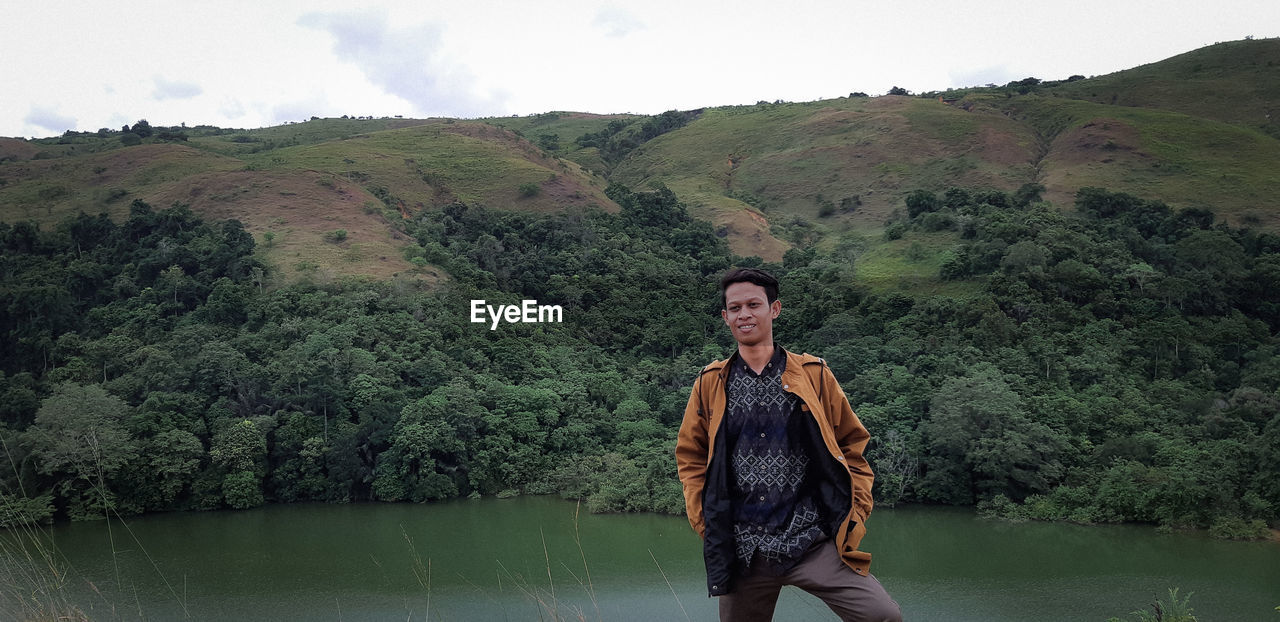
[{"x": 770, "y": 456}]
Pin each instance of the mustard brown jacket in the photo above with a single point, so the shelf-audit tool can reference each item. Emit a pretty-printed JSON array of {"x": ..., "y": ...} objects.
[{"x": 834, "y": 437}]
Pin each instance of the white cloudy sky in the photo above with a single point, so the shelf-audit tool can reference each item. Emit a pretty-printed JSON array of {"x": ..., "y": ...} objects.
[{"x": 90, "y": 64}]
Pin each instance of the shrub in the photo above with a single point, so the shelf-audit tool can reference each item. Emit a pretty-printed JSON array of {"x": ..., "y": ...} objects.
[
  {"x": 130, "y": 139},
  {"x": 336, "y": 236},
  {"x": 1236, "y": 528},
  {"x": 1176, "y": 610},
  {"x": 549, "y": 142},
  {"x": 938, "y": 221},
  {"x": 242, "y": 490},
  {"x": 16, "y": 511},
  {"x": 529, "y": 189},
  {"x": 920, "y": 202}
]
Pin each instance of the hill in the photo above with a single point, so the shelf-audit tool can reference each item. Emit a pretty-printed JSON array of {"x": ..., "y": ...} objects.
[
  {"x": 296, "y": 186},
  {"x": 1193, "y": 131},
  {"x": 752, "y": 170},
  {"x": 774, "y": 175},
  {"x": 1234, "y": 82}
]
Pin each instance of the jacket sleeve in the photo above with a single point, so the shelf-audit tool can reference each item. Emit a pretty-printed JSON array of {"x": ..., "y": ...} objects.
[
  {"x": 851, "y": 437},
  {"x": 691, "y": 457}
]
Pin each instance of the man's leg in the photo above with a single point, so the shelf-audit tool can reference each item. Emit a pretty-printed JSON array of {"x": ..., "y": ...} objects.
[
  {"x": 853, "y": 597},
  {"x": 753, "y": 599}
]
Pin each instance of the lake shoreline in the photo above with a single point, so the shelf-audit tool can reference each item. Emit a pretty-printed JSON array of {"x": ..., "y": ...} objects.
[
  {"x": 1273, "y": 532},
  {"x": 496, "y": 558}
]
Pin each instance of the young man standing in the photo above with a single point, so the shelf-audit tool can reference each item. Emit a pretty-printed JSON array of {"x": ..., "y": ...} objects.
[{"x": 770, "y": 456}]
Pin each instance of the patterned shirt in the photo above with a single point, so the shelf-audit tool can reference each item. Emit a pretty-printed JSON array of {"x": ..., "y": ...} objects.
[{"x": 775, "y": 518}]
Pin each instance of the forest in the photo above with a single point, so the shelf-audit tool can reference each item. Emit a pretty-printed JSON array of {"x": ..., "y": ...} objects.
[{"x": 1114, "y": 362}]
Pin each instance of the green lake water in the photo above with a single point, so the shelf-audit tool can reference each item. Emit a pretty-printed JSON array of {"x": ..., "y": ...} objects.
[{"x": 524, "y": 559}]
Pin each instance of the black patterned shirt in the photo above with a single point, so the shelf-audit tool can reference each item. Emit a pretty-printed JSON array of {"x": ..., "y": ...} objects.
[{"x": 775, "y": 518}]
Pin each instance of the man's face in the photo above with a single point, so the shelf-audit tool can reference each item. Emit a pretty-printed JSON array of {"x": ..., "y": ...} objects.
[{"x": 748, "y": 313}]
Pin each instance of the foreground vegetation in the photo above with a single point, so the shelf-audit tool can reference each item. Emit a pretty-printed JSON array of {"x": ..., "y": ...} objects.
[
  {"x": 1176, "y": 610},
  {"x": 1112, "y": 364}
]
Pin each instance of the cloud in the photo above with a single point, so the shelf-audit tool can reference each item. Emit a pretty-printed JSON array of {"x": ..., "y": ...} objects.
[
  {"x": 49, "y": 119},
  {"x": 617, "y": 22},
  {"x": 231, "y": 108},
  {"x": 300, "y": 109},
  {"x": 998, "y": 75},
  {"x": 406, "y": 62},
  {"x": 167, "y": 89}
]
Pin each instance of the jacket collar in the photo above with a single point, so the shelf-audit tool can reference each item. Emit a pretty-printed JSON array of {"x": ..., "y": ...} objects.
[{"x": 780, "y": 356}]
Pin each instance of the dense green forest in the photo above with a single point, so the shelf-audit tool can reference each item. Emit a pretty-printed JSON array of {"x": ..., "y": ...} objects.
[{"x": 1112, "y": 363}]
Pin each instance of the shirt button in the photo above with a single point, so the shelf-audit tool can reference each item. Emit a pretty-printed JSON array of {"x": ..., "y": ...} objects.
[
  {"x": 786, "y": 386},
  {"x": 762, "y": 497},
  {"x": 762, "y": 435}
]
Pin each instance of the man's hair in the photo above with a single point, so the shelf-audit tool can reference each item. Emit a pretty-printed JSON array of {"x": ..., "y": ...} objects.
[{"x": 749, "y": 275}]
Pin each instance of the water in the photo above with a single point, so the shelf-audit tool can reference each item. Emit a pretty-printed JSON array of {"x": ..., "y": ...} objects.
[{"x": 520, "y": 559}]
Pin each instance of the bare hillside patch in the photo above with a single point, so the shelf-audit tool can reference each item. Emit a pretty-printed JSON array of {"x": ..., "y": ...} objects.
[
  {"x": 16, "y": 149},
  {"x": 301, "y": 211}
]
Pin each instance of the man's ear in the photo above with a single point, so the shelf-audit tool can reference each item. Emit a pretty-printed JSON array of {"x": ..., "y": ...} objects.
[{"x": 776, "y": 308}]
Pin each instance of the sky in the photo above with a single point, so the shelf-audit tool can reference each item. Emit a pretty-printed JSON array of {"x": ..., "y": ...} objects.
[{"x": 85, "y": 65}]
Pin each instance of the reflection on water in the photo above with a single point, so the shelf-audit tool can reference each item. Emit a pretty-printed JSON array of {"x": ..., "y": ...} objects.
[{"x": 520, "y": 559}]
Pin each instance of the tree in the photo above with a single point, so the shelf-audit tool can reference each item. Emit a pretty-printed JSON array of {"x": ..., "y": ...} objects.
[
  {"x": 241, "y": 450},
  {"x": 1024, "y": 256},
  {"x": 977, "y": 424},
  {"x": 167, "y": 466},
  {"x": 1028, "y": 193},
  {"x": 79, "y": 436},
  {"x": 142, "y": 128},
  {"x": 921, "y": 201}
]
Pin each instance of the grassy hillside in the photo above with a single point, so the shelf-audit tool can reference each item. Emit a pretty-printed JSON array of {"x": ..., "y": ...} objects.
[
  {"x": 296, "y": 187},
  {"x": 1183, "y": 160},
  {"x": 557, "y": 132},
  {"x": 1236, "y": 82},
  {"x": 856, "y": 157}
]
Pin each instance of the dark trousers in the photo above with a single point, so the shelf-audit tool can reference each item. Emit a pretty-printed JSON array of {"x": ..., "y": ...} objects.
[{"x": 851, "y": 596}]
